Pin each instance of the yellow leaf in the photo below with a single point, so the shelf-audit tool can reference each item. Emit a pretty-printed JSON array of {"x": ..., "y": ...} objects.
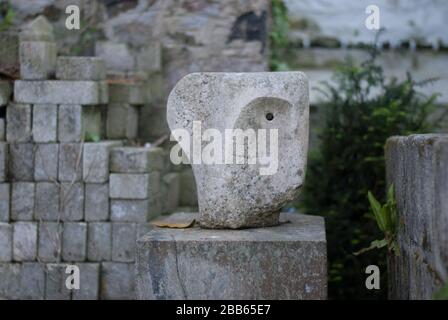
[{"x": 174, "y": 225}]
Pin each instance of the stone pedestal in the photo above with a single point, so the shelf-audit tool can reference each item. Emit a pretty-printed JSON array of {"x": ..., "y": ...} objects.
[{"x": 288, "y": 261}]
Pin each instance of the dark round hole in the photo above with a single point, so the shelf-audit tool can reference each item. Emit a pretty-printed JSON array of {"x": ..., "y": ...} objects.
[{"x": 269, "y": 116}]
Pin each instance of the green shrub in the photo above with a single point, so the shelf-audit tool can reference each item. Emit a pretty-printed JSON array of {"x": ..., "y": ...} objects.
[
  {"x": 363, "y": 110},
  {"x": 278, "y": 36}
]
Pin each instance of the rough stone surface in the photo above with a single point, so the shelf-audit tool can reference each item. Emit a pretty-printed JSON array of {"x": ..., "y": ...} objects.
[
  {"x": 45, "y": 121},
  {"x": 39, "y": 29},
  {"x": 89, "y": 282},
  {"x": 96, "y": 202},
  {"x": 124, "y": 236},
  {"x": 133, "y": 186},
  {"x": 47, "y": 201},
  {"x": 5, "y": 91},
  {"x": 2, "y": 129},
  {"x": 46, "y": 162},
  {"x": 149, "y": 58},
  {"x": 74, "y": 241},
  {"x": 9, "y": 281},
  {"x": 22, "y": 201},
  {"x": 55, "y": 288},
  {"x": 24, "y": 241},
  {"x": 80, "y": 68},
  {"x": 78, "y": 123},
  {"x": 240, "y": 195},
  {"x": 37, "y": 60},
  {"x": 21, "y": 161},
  {"x": 72, "y": 201},
  {"x": 288, "y": 261},
  {"x": 136, "y": 160},
  {"x": 122, "y": 121},
  {"x": 117, "y": 281},
  {"x": 70, "y": 162},
  {"x": 99, "y": 241},
  {"x": 32, "y": 281},
  {"x": 5, "y": 242},
  {"x": 60, "y": 92},
  {"x": 9, "y": 53},
  {"x": 416, "y": 166},
  {"x": 131, "y": 210},
  {"x": 18, "y": 122},
  {"x": 5, "y": 201},
  {"x": 133, "y": 93},
  {"x": 96, "y": 160},
  {"x": 188, "y": 190},
  {"x": 50, "y": 242},
  {"x": 170, "y": 194},
  {"x": 116, "y": 55},
  {"x": 4, "y": 155}
]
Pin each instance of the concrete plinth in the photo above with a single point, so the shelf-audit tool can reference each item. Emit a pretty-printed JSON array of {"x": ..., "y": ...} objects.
[{"x": 288, "y": 261}]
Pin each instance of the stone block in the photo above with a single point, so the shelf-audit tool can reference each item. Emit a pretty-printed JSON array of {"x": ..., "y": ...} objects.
[
  {"x": 6, "y": 232},
  {"x": 96, "y": 202},
  {"x": 45, "y": 121},
  {"x": 149, "y": 57},
  {"x": 5, "y": 201},
  {"x": 18, "y": 122},
  {"x": 78, "y": 123},
  {"x": 55, "y": 288},
  {"x": 99, "y": 241},
  {"x": 170, "y": 194},
  {"x": 9, "y": 281},
  {"x": 49, "y": 247},
  {"x": 134, "y": 186},
  {"x": 4, "y": 156},
  {"x": 89, "y": 283},
  {"x": 127, "y": 93},
  {"x": 72, "y": 201},
  {"x": 32, "y": 281},
  {"x": 117, "y": 281},
  {"x": 2, "y": 129},
  {"x": 24, "y": 241},
  {"x": 136, "y": 160},
  {"x": 39, "y": 29},
  {"x": 60, "y": 92},
  {"x": 47, "y": 202},
  {"x": 80, "y": 68},
  {"x": 288, "y": 261},
  {"x": 46, "y": 162},
  {"x": 124, "y": 236},
  {"x": 22, "y": 201},
  {"x": 21, "y": 161},
  {"x": 96, "y": 160},
  {"x": 132, "y": 210},
  {"x": 122, "y": 121},
  {"x": 116, "y": 55},
  {"x": 74, "y": 241},
  {"x": 37, "y": 60},
  {"x": 5, "y": 91},
  {"x": 70, "y": 162},
  {"x": 9, "y": 53},
  {"x": 188, "y": 191}
]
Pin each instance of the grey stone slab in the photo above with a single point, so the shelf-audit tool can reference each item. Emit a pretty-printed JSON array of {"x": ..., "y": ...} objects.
[
  {"x": 47, "y": 202},
  {"x": 288, "y": 261},
  {"x": 136, "y": 160},
  {"x": 46, "y": 160},
  {"x": 4, "y": 157},
  {"x": 18, "y": 122},
  {"x": 5, "y": 91},
  {"x": 149, "y": 57},
  {"x": 129, "y": 210},
  {"x": 80, "y": 68},
  {"x": 96, "y": 202},
  {"x": 24, "y": 241},
  {"x": 21, "y": 161},
  {"x": 122, "y": 121},
  {"x": 45, "y": 121},
  {"x": 134, "y": 186},
  {"x": 124, "y": 237},
  {"x": 38, "y": 29},
  {"x": 89, "y": 282},
  {"x": 22, "y": 201},
  {"x": 37, "y": 60},
  {"x": 78, "y": 123},
  {"x": 170, "y": 194},
  {"x": 60, "y": 92},
  {"x": 9, "y": 281},
  {"x": 32, "y": 281},
  {"x": 9, "y": 51},
  {"x": 2, "y": 130},
  {"x": 70, "y": 162},
  {"x": 5, "y": 202},
  {"x": 188, "y": 192},
  {"x": 74, "y": 241},
  {"x": 99, "y": 241},
  {"x": 72, "y": 201},
  {"x": 55, "y": 287},
  {"x": 117, "y": 56},
  {"x": 96, "y": 160},
  {"x": 131, "y": 93},
  {"x": 6, "y": 231},
  {"x": 117, "y": 281},
  {"x": 49, "y": 247}
]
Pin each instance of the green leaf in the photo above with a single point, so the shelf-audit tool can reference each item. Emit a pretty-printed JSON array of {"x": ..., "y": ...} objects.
[
  {"x": 376, "y": 244},
  {"x": 376, "y": 209},
  {"x": 442, "y": 294}
]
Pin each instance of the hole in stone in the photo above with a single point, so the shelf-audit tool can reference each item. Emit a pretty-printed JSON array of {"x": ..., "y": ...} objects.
[{"x": 269, "y": 116}]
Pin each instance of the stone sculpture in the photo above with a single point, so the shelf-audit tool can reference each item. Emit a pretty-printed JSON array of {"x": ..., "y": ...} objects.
[{"x": 268, "y": 114}]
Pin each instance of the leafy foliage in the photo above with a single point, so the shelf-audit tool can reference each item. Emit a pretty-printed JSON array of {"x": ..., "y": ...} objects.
[
  {"x": 278, "y": 37},
  {"x": 364, "y": 108},
  {"x": 442, "y": 294},
  {"x": 6, "y": 16}
]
